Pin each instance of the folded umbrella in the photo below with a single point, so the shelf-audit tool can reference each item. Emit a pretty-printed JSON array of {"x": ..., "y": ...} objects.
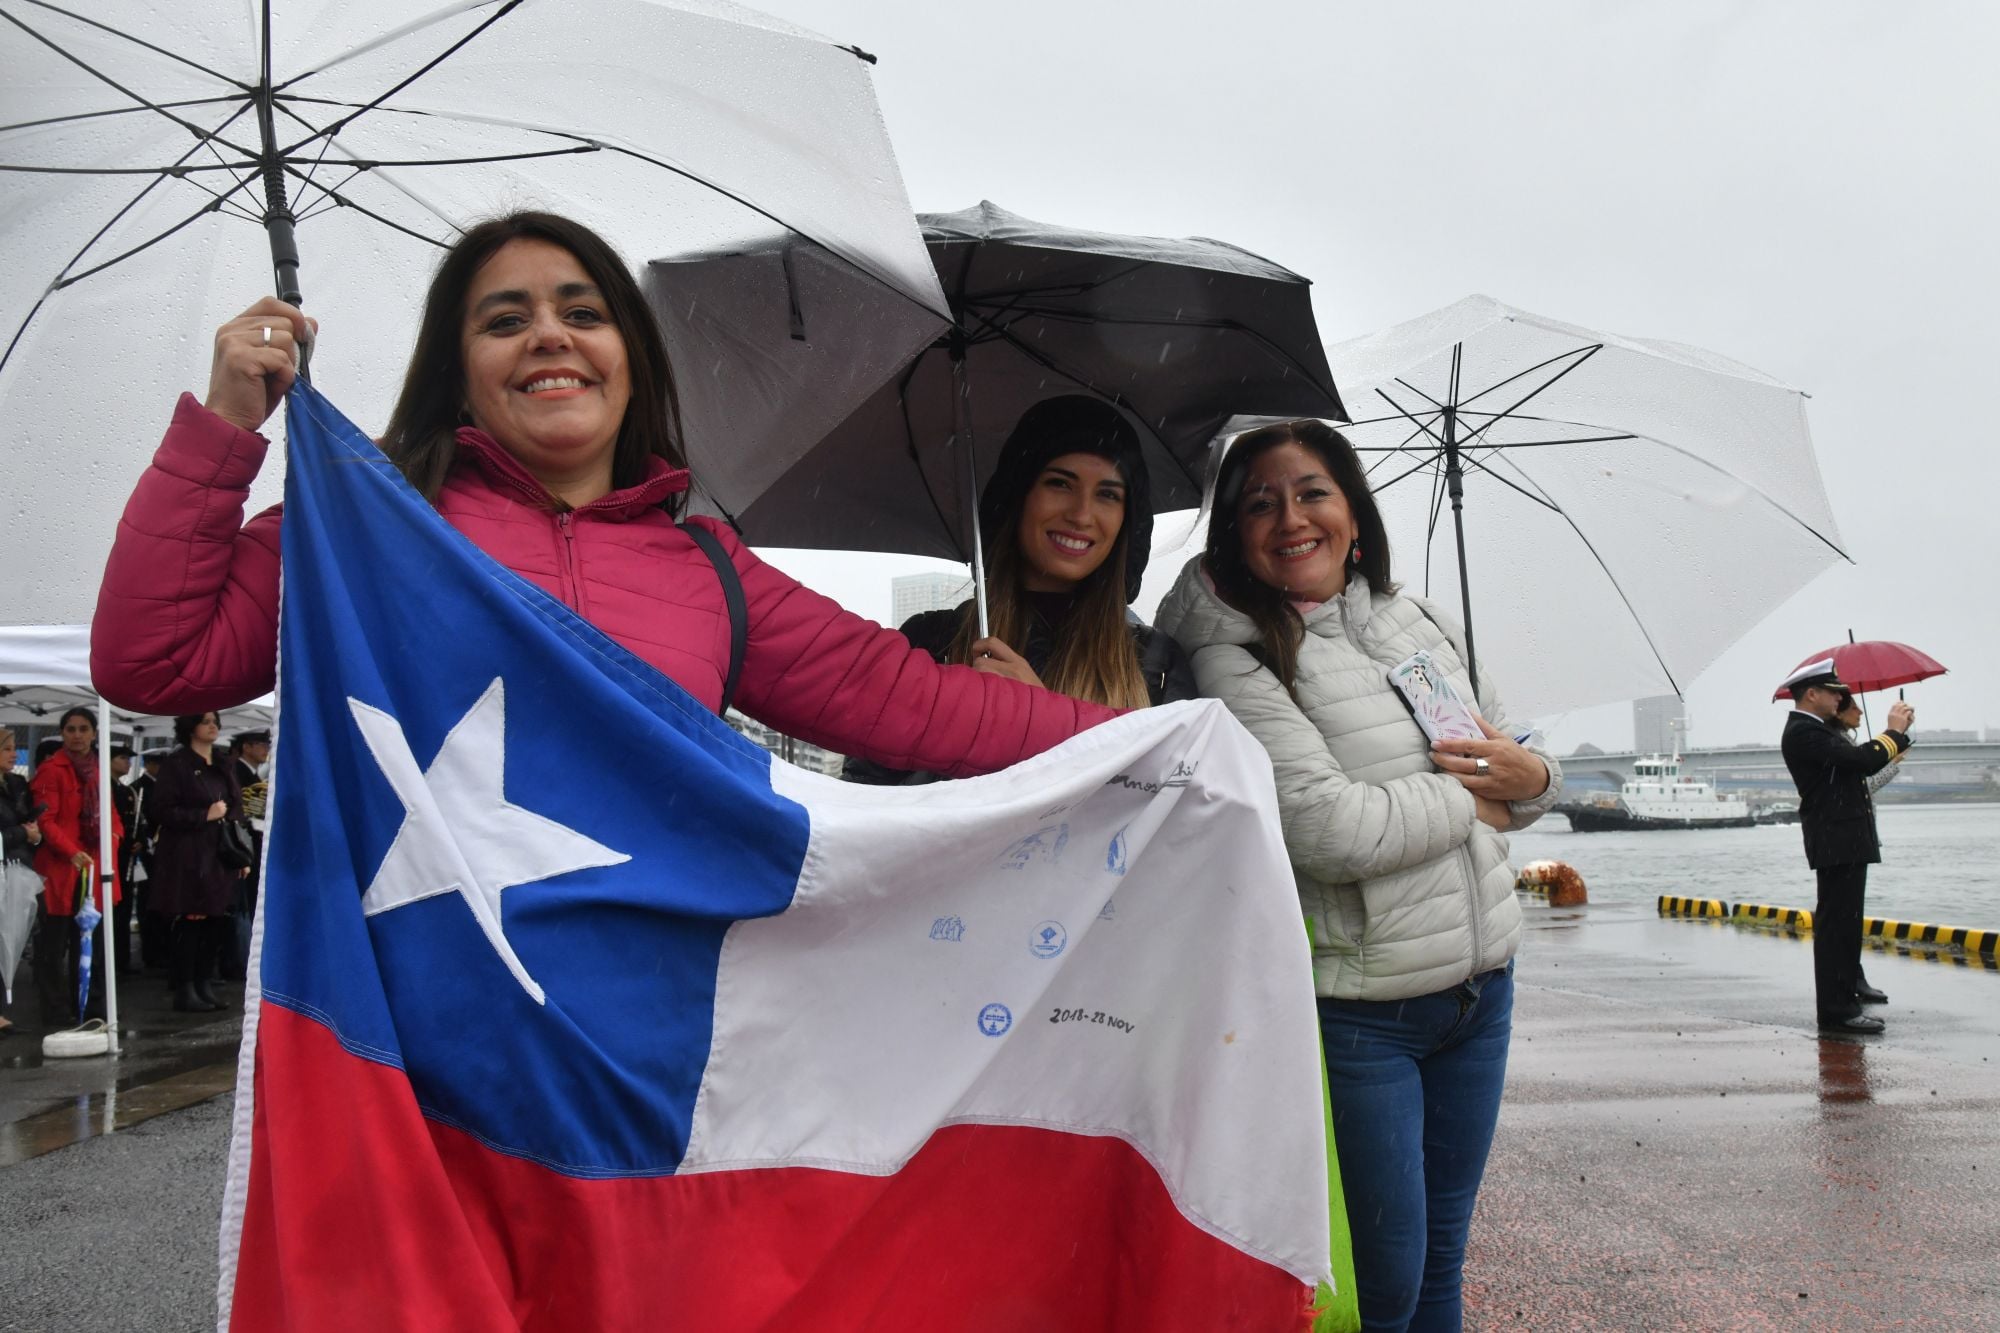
[{"x": 19, "y": 887}]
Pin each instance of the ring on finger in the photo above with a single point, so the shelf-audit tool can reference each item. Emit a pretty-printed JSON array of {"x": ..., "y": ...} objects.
[
  {"x": 267, "y": 335},
  {"x": 1481, "y": 767}
]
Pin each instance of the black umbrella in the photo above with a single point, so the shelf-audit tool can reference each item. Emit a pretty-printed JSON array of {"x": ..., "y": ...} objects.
[{"x": 1180, "y": 334}]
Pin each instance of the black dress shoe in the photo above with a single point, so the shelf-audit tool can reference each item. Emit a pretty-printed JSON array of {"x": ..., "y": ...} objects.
[
  {"x": 1857, "y": 1025},
  {"x": 1867, "y": 994}
]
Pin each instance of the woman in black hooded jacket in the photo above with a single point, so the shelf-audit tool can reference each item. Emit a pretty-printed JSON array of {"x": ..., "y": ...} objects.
[{"x": 1067, "y": 526}]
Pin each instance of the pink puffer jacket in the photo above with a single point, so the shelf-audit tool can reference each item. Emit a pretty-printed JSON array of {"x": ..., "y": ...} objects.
[{"x": 187, "y": 619}]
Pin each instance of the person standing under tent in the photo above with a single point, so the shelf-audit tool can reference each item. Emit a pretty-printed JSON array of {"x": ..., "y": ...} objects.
[
  {"x": 123, "y": 797},
  {"x": 19, "y": 833},
  {"x": 1837, "y": 821},
  {"x": 65, "y": 784},
  {"x": 195, "y": 793},
  {"x": 249, "y": 752}
]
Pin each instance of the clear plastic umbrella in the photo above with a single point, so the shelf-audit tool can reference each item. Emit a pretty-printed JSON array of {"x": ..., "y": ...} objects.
[
  {"x": 1621, "y": 509},
  {"x": 19, "y": 887},
  {"x": 149, "y": 150}
]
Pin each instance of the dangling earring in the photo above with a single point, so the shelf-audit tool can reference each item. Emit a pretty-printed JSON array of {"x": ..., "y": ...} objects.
[
  {"x": 465, "y": 416},
  {"x": 1354, "y": 554}
]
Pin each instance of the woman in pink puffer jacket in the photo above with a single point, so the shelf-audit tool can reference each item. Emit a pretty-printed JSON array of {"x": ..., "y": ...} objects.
[{"x": 538, "y": 417}]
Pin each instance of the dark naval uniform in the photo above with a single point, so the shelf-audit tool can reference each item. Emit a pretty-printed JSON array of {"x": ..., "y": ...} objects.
[{"x": 1838, "y": 820}]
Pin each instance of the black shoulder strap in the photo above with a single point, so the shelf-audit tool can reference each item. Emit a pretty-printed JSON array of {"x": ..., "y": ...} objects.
[{"x": 732, "y": 595}]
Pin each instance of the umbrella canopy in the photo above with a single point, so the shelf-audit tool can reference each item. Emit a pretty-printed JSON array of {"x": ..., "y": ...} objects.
[
  {"x": 1873, "y": 664},
  {"x": 1179, "y": 333},
  {"x": 149, "y": 149},
  {"x": 1630, "y": 507}
]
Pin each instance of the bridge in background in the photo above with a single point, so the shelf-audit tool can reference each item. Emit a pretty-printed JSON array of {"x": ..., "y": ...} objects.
[{"x": 1942, "y": 766}]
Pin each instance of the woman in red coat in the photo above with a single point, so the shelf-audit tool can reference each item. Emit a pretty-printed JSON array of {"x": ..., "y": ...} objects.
[
  {"x": 539, "y": 416},
  {"x": 71, "y": 826},
  {"x": 191, "y": 797}
]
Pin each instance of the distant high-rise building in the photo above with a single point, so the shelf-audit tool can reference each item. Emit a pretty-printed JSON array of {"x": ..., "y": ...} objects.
[
  {"x": 1659, "y": 725},
  {"x": 912, "y": 594}
]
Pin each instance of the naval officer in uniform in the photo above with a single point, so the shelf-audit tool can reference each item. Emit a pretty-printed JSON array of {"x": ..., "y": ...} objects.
[{"x": 1838, "y": 820}]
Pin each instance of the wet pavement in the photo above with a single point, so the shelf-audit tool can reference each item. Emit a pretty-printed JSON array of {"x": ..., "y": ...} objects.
[
  {"x": 166, "y": 1061},
  {"x": 1677, "y": 1150}
]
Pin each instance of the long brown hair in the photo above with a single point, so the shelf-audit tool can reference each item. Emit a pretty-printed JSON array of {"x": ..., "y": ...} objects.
[
  {"x": 1094, "y": 656},
  {"x": 1279, "y": 625},
  {"x": 421, "y": 438}
]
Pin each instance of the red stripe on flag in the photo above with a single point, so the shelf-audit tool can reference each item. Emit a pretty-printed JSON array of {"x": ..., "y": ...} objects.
[{"x": 360, "y": 1210}]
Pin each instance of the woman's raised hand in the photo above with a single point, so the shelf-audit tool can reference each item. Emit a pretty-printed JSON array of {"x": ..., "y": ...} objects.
[
  {"x": 1512, "y": 772},
  {"x": 993, "y": 655},
  {"x": 256, "y": 360}
]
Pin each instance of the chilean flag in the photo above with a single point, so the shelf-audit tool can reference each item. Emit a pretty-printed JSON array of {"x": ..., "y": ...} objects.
[{"x": 572, "y": 1009}]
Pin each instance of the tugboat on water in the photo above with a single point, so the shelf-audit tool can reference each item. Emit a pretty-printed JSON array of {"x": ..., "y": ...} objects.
[{"x": 1658, "y": 796}]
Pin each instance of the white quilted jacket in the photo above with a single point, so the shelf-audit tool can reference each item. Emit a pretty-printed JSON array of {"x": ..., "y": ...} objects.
[{"x": 1405, "y": 891}]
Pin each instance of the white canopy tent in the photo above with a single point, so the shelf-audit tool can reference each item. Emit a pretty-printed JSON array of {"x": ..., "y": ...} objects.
[{"x": 59, "y": 655}]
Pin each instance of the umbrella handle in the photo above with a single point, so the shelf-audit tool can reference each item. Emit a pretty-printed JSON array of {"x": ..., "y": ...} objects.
[{"x": 961, "y": 411}]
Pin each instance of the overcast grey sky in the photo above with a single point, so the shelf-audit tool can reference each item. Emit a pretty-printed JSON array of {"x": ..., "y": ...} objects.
[{"x": 1806, "y": 187}]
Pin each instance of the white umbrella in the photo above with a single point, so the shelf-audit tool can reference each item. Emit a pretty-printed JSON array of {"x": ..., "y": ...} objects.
[
  {"x": 1623, "y": 509},
  {"x": 149, "y": 149}
]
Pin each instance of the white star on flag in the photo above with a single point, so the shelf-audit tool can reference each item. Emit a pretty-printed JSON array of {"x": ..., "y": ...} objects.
[{"x": 461, "y": 835}]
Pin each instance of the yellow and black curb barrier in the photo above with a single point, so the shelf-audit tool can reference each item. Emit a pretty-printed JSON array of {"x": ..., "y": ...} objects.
[
  {"x": 1914, "y": 939},
  {"x": 1796, "y": 917},
  {"x": 1915, "y": 932}
]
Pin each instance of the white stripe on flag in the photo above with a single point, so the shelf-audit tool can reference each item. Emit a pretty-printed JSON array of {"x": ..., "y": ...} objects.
[{"x": 1105, "y": 940}]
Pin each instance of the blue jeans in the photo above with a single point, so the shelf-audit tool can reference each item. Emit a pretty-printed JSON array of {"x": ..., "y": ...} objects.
[{"x": 1415, "y": 1086}]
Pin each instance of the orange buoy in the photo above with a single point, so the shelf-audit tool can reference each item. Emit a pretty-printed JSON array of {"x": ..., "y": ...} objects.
[{"x": 1558, "y": 879}]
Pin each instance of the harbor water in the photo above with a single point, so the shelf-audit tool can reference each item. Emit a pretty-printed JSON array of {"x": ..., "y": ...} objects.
[{"x": 1940, "y": 863}]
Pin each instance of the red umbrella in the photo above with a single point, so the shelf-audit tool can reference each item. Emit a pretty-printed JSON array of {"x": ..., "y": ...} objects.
[{"x": 1875, "y": 664}]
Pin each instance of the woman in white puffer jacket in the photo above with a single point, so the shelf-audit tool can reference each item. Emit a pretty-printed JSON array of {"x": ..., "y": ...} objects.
[{"x": 1398, "y": 846}]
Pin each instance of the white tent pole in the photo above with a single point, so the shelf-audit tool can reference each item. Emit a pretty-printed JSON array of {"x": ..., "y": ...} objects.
[{"x": 107, "y": 869}]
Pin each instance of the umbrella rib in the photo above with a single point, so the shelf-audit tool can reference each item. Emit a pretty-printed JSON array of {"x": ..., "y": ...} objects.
[
  {"x": 342, "y": 201},
  {"x": 1410, "y": 472},
  {"x": 1616, "y": 586},
  {"x": 1582, "y": 354},
  {"x": 213, "y": 206},
  {"x": 217, "y": 75},
  {"x": 1430, "y": 532},
  {"x": 1047, "y": 362},
  {"x": 1530, "y": 496},
  {"x": 1388, "y": 453},
  {"x": 106, "y": 79},
  {"x": 1498, "y": 417},
  {"x": 176, "y": 171},
  {"x": 80, "y": 116},
  {"x": 61, "y": 278},
  {"x": 337, "y": 126}
]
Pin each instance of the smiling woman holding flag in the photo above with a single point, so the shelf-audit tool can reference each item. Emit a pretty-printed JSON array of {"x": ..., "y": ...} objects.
[{"x": 539, "y": 417}]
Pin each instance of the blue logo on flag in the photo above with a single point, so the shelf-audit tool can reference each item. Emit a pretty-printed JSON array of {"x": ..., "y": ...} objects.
[
  {"x": 1048, "y": 940},
  {"x": 995, "y": 1019}
]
